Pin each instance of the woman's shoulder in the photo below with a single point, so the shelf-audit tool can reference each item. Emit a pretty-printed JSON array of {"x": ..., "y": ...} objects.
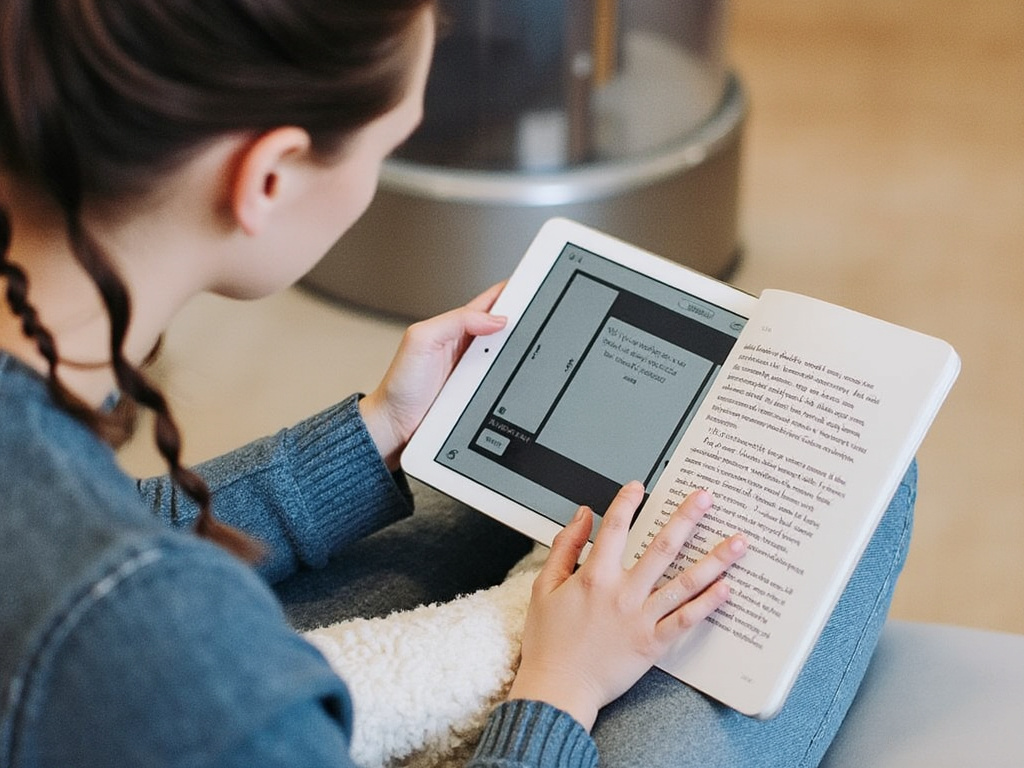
[
  {"x": 66, "y": 504},
  {"x": 49, "y": 460}
]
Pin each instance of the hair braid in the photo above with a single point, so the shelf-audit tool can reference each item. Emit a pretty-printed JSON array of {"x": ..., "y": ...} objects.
[
  {"x": 17, "y": 298},
  {"x": 136, "y": 386}
]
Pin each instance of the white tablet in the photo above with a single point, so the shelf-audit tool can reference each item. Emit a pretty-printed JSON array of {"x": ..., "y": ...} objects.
[{"x": 608, "y": 351}]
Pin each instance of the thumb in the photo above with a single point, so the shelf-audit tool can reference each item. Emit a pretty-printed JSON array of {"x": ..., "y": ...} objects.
[
  {"x": 456, "y": 325},
  {"x": 565, "y": 551},
  {"x": 479, "y": 323}
]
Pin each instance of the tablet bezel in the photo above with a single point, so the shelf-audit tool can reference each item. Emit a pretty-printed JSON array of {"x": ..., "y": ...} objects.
[{"x": 418, "y": 458}]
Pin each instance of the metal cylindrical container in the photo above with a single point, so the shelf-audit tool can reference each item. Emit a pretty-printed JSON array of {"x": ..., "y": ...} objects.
[{"x": 621, "y": 115}]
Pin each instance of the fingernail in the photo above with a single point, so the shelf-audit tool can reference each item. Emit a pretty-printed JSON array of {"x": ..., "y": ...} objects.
[
  {"x": 702, "y": 499},
  {"x": 738, "y": 543}
]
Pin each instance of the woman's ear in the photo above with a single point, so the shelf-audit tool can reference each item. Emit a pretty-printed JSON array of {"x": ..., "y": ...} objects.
[{"x": 265, "y": 175}]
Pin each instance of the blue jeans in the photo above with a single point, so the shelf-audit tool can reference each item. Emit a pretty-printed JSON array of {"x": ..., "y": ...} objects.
[{"x": 445, "y": 550}]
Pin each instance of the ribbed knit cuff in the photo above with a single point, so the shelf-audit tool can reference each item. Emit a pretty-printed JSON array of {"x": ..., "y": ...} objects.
[
  {"x": 347, "y": 491},
  {"x": 535, "y": 734}
]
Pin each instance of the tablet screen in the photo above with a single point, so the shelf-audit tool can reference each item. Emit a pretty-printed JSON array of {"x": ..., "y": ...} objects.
[{"x": 592, "y": 389}]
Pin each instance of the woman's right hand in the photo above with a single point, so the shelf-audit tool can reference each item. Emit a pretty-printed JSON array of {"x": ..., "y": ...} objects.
[{"x": 592, "y": 632}]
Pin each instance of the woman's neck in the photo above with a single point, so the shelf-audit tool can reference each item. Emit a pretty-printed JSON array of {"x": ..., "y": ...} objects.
[
  {"x": 66, "y": 303},
  {"x": 77, "y": 324}
]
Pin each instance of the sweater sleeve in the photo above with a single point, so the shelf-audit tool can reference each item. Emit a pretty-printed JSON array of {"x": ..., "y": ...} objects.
[
  {"x": 304, "y": 492},
  {"x": 531, "y": 733}
]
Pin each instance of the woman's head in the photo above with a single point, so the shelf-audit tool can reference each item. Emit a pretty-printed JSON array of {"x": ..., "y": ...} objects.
[{"x": 102, "y": 100}]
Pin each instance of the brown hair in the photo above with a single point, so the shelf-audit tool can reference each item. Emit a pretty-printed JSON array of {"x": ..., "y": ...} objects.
[{"x": 99, "y": 99}]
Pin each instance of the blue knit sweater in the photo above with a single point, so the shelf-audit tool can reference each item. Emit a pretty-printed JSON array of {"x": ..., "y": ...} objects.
[{"x": 127, "y": 641}]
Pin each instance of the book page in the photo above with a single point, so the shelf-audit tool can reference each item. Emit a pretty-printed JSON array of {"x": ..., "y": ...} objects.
[{"x": 809, "y": 427}]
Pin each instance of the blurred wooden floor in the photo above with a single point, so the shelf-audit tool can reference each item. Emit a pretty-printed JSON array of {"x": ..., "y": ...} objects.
[{"x": 883, "y": 170}]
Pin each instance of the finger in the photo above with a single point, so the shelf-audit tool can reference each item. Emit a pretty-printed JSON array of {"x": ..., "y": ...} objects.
[
  {"x": 479, "y": 323},
  {"x": 565, "y": 550},
  {"x": 453, "y": 330},
  {"x": 664, "y": 548},
  {"x": 611, "y": 536},
  {"x": 453, "y": 327},
  {"x": 691, "y": 613},
  {"x": 691, "y": 584},
  {"x": 475, "y": 324}
]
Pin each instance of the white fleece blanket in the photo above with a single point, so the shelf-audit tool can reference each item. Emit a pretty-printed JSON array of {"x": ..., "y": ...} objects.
[{"x": 423, "y": 681}]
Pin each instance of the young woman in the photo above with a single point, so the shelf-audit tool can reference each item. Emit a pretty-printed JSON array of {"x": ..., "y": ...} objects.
[{"x": 152, "y": 150}]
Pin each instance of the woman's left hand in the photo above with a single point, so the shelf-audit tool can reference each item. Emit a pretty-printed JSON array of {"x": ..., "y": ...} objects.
[{"x": 426, "y": 356}]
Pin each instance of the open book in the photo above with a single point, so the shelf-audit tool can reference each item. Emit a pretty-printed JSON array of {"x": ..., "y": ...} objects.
[
  {"x": 803, "y": 439},
  {"x": 801, "y": 417}
]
